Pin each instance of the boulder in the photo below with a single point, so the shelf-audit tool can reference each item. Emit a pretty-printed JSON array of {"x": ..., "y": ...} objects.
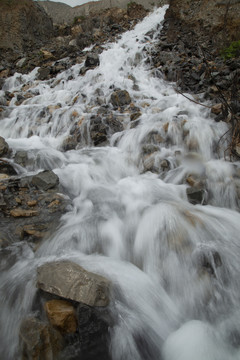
[
  {"x": 61, "y": 315},
  {"x": 45, "y": 180},
  {"x": 120, "y": 98},
  {"x": 38, "y": 340},
  {"x": 69, "y": 280},
  {"x": 3, "y": 147}
]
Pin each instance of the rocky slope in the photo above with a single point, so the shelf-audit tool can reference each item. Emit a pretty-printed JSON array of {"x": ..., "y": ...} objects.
[
  {"x": 23, "y": 25},
  {"x": 217, "y": 21},
  {"x": 62, "y": 13},
  {"x": 69, "y": 41}
]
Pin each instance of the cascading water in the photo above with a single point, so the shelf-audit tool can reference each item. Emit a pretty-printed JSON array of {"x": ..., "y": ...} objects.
[{"x": 136, "y": 228}]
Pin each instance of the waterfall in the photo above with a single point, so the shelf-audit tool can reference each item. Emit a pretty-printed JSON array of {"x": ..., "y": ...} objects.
[{"x": 174, "y": 265}]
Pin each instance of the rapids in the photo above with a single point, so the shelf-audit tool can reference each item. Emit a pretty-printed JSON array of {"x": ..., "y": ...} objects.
[{"x": 135, "y": 227}]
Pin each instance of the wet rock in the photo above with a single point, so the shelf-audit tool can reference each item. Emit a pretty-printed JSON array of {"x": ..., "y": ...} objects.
[
  {"x": 71, "y": 281},
  {"x": 2, "y": 81},
  {"x": 149, "y": 164},
  {"x": 195, "y": 195},
  {"x": 45, "y": 180},
  {"x": 29, "y": 214},
  {"x": 114, "y": 124},
  {"x": 135, "y": 116},
  {"x": 98, "y": 130},
  {"x": 70, "y": 143},
  {"x": 153, "y": 137},
  {"x": 150, "y": 148},
  {"x": 93, "y": 333},
  {"x": 83, "y": 70},
  {"x": 43, "y": 73},
  {"x": 3, "y": 101},
  {"x": 208, "y": 260},
  {"x": 92, "y": 60},
  {"x": 7, "y": 168},
  {"x": 165, "y": 165},
  {"x": 18, "y": 212},
  {"x": 216, "y": 109},
  {"x": 21, "y": 158},
  {"x": 38, "y": 340},
  {"x": 3, "y": 147},
  {"x": 21, "y": 62},
  {"x": 120, "y": 98},
  {"x": 61, "y": 315},
  {"x": 196, "y": 181}
]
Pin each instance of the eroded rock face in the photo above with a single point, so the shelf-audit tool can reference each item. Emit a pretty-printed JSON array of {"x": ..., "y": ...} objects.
[{"x": 71, "y": 281}]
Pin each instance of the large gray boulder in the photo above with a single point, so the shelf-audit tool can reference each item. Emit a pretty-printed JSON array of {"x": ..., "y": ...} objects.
[
  {"x": 45, "y": 180},
  {"x": 71, "y": 281}
]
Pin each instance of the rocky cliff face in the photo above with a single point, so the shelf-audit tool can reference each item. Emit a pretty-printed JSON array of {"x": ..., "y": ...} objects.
[
  {"x": 23, "y": 24},
  {"x": 215, "y": 20}
]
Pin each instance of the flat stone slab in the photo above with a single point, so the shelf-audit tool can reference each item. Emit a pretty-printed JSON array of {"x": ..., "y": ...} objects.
[{"x": 70, "y": 281}]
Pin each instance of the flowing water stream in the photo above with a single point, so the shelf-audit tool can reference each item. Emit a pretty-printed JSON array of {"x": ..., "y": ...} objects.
[{"x": 135, "y": 227}]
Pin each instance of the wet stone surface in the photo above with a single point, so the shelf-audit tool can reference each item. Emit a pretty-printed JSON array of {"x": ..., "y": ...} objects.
[{"x": 29, "y": 213}]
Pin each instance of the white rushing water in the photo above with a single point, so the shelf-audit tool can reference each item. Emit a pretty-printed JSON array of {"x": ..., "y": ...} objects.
[{"x": 135, "y": 227}]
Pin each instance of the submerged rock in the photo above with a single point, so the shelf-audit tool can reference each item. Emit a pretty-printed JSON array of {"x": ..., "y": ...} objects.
[{"x": 71, "y": 281}]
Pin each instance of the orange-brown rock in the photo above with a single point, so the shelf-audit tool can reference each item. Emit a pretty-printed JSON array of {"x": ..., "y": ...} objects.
[
  {"x": 61, "y": 315},
  {"x": 18, "y": 212},
  {"x": 216, "y": 109}
]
